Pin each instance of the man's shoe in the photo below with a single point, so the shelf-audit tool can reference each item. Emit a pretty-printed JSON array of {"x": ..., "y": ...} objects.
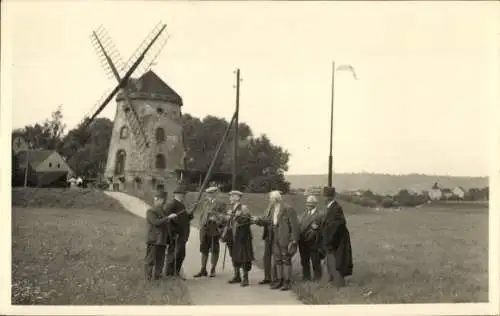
[
  {"x": 265, "y": 281},
  {"x": 212, "y": 273},
  {"x": 286, "y": 286},
  {"x": 276, "y": 285},
  {"x": 202, "y": 273},
  {"x": 234, "y": 280}
]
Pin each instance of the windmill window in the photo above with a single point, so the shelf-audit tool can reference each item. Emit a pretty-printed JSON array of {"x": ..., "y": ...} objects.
[
  {"x": 160, "y": 135},
  {"x": 120, "y": 162},
  {"x": 58, "y": 165},
  {"x": 124, "y": 132},
  {"x": 160, "y": 162},
  {"x": 50, "y": 164},
  {"x": 126, "y": 109},
  {"x": 159, "y": 110}
]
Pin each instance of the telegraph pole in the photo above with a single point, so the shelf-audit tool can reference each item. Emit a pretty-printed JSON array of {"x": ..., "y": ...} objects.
[
  {"x": 236, "y": 134},
  {"x": 330, "y": 157}
]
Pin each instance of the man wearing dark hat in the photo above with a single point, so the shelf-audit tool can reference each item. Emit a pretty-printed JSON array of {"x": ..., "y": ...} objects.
[
  {"x": 336, "y": 240},
  {"x": 238, "y": 238},
  {"x": 156, "y": 237},
  {"x": 211, "y": 217},
  {"x": 178, "y": 234},
  {"x": 309, "y": 240}
]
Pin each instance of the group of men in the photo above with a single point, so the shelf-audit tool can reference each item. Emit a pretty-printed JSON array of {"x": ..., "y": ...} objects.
[{"x": 317, "y": 235}]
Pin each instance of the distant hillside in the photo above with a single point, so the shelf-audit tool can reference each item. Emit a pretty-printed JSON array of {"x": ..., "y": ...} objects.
[{"x": 385, "y": 183}]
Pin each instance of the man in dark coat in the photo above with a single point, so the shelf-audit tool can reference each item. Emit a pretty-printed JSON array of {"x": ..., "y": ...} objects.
[
  {"x": 178, "y": 231},
  {"x": 336, "y": 240},
  {"x": 238, "y": 238},
  {"x": 285, "y": 235},
  {"x": 310, "y": 240},
  {"x": 211, "y": 217},
  {"x": 156, "y": 241}
]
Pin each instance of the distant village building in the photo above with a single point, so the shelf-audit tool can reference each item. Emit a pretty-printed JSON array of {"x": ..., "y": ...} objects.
[
  {"x": 459, "y": 192},
  {"x": 447, "y": 193},
  {"x": 46, "y": 168},
  {"x": 435, "y": 192}
]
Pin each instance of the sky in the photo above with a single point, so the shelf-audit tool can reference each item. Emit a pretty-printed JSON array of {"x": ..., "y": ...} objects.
[{"x": 423, "y": 102}]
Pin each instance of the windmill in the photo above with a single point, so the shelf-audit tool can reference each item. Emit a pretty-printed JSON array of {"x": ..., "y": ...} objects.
[{"x": 146, "y": 142}]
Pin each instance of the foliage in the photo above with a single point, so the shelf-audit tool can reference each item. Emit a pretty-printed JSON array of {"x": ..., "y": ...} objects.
[
  {"x": 17, "y": 176},
  {"x": 87, "y": 149},
  {"x": 257, "y": 156},
  {"x": 47, "y": 135}
]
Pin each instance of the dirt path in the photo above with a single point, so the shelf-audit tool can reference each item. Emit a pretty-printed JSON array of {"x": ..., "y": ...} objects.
[{"x": 214, "y": 291}]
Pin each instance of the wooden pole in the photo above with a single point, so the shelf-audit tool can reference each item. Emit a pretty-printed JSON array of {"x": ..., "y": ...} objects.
[
  {"x": 27, "y": 162},
  {"x": 214, "y": 159},
  {"x": 236, "y": 132},
  {"x": 330, "y": 157}
]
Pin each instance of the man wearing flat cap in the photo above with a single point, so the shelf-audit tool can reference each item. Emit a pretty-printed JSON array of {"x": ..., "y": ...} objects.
[
  {"x": 211, "y": 217},
  {"x": 179, "y": 229},
  {"x": 309, "y": 241},
  {"x": 156, "y": 242},
  {"x": 336, "y": 240},
  {"x": 238, "y": 238}
]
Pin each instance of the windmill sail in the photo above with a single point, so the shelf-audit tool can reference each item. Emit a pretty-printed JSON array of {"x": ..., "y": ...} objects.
[
  {"x": 105, "y": 48},
  {"x": 158, "y": 40}
]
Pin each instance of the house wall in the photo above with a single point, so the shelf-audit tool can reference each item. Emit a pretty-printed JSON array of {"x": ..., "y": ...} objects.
[
  {"x": 459, "y": 192},
  {"x": 141, "y": 175},
  {"x": 54, "y": 162},
  {"x": 435, "y": 194}
]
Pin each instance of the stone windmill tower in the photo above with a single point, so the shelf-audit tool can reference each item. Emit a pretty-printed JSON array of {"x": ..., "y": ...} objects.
[
  {"x": 146, "y": 150},
  {"x": 133, "y": 166}
]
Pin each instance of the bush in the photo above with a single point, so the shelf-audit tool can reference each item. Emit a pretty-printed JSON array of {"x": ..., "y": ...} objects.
[{"x": 387, "y": 202}]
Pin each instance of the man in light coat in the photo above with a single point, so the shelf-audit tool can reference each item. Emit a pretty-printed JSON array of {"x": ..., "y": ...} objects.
[{"x": 284, "y": 227}]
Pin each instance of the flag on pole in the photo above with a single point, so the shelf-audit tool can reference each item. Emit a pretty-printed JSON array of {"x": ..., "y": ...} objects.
[{"x": 347, "y": 67}]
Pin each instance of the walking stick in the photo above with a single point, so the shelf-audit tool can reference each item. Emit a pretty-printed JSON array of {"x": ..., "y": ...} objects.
[
  {"x": 175, "y": 255},
  {"x": 224, "y": 257}
]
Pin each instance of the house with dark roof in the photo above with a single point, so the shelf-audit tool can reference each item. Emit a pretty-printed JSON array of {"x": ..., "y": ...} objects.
[{"x": 46, "y": 168}]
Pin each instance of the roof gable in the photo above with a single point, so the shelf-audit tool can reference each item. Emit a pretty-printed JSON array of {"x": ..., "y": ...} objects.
[
  {"x": 151, "y": 83},
  {"x": 36, "y": 157}
]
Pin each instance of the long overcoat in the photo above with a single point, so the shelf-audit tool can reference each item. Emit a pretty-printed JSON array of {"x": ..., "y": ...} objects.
[
  {"x": 238, "y": 235},
  {"x": 335, "y": 238}
]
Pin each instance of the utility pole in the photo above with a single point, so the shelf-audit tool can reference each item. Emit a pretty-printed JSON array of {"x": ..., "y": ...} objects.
[
  {"x": 330, "y": 157},
  {"x": 236, "y": 134},
  {"x": 27, "y": 165}
]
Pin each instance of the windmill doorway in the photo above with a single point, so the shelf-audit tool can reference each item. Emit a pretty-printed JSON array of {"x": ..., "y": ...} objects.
[{"x": 116, "y": 187}]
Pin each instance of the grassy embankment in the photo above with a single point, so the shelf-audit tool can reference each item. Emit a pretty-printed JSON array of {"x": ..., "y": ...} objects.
[
  {"x": 80, "y": 247},
  {"x": 432, "y": 254}
]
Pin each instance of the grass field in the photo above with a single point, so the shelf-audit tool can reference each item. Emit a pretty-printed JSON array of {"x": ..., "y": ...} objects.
[
  {"x": 432, "y": 254},
  {"x": 88, "y": 253}
]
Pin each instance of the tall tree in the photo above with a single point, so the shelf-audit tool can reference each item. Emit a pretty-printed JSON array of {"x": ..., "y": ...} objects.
[
  {"x": 86, "y": 149},
  {"x": 47, "y": 135}
]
